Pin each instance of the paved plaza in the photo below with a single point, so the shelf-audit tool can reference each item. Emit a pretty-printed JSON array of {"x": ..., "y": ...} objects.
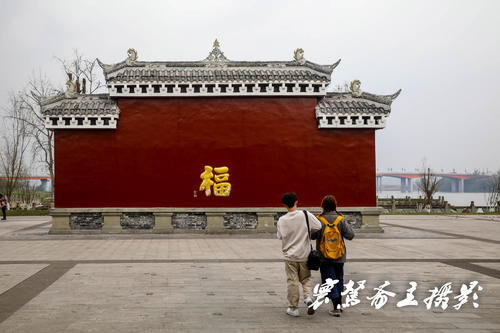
[{"x": 236, "y": 283}]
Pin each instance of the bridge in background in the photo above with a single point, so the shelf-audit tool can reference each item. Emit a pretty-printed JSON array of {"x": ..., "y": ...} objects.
[
  {"x": 407, "y": 180},
  {"x": 44, "y": 181},
  {"x": 457, "y": 180}
]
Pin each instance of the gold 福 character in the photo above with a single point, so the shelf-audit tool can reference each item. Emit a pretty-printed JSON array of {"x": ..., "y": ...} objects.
[
  {"x": 207, "y": 182},
  {"x": 222, "y": 188}
]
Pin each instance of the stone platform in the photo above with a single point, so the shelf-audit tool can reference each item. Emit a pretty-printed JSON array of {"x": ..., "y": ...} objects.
[
  {"x": 236, "y": 282},
  {"x": 187, "y": 220}
]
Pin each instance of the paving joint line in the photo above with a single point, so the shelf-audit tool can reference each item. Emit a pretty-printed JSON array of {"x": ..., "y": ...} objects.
[
  {"x": 475, "y": 268},
  {"x": 17, "y": 296},
  {"x": 36, "y": 226}
]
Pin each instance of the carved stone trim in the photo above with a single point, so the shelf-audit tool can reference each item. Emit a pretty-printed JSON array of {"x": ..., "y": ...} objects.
[
  {"x": 244, "y": 88},
  {"x": 189, "y": 221},
  {"x": 81, "y": 121},
  {"x": 208, "y": 220},
  {"x": 240, "y": 221},
  {"x": 86, "y": 221},
  {"x": 376, "y": 121},
  {"x": 137, "y": 220}
]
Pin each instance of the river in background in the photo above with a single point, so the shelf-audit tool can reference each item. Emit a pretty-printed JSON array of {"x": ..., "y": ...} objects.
[{"x": 455, "y": 199}]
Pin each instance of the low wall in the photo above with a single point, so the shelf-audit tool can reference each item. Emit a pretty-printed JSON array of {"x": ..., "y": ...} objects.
[
  {"x": 439, "y": 205},
  {"x": 182, "y": 220}
]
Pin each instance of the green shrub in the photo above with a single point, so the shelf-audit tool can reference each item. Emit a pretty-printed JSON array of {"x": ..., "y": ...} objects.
[{"x": 22, "y": 212}]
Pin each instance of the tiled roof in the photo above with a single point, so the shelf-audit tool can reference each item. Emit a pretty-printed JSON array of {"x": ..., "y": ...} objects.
[
  {"x": 85, "y": 105},
  {"x": 216, "y": 68},
  {"x": 334, "y": 103},
  {"x": 355, "y": 109},
  {"x": 217, "y": 76},
  {"x": 167, "y": 74}
]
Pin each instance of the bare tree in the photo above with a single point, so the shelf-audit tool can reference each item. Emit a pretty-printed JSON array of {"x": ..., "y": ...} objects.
[
  {"x": 15, "y": 144},
  {"x": 86, "y": 73},
  {"x": 3, "y": 182},
  {"x": 494, "y": 191},
  {"x": 428, "y": 185},
  {"x": 31, "y": 116},
  {"x": 27, "y": 193}
]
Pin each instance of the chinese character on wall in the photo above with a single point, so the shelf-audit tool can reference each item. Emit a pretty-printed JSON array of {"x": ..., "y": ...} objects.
[{"x": 221, "y": 186}]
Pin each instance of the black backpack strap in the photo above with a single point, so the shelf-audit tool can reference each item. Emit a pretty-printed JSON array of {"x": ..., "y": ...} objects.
[{"x": 308, "y": 230}]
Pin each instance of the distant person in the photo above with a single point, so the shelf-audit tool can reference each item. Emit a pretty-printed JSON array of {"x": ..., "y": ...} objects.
[
  {"x": 295, "y": 243},
  {"x": 3, "y": 203},
  {"x": 330, "y": 244}
]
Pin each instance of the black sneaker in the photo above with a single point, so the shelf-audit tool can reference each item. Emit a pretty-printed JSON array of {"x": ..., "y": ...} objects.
[{"x": 310, "y": 310}]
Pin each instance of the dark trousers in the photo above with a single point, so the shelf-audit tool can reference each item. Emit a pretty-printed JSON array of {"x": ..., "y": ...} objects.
[
  {"x": 334, "y": 271},
  {"x": 4, "y": 212}
]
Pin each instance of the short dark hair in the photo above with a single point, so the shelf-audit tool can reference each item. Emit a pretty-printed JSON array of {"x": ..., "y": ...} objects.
[
  {"x": 329, "y": 204},
  {"x": 289, "y": 199}
]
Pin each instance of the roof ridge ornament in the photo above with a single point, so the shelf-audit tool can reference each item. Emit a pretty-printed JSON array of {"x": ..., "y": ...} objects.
[
  {"x": 355, "y": 88},
  {"x": 216, "y": 57},
  {"x": 298, "y": 56},
  {"x": 384, "y": 99},
  {"x": 333, "y": 66},
  {"x": 132, "y": 56},
  {"x": 105, "y": 67},
  {"x": 395, "y": 95},
  {"x": 72, "y": 89}
]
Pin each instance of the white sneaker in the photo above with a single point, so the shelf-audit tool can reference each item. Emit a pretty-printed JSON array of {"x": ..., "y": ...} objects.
[{"x": 292, "y": 312}]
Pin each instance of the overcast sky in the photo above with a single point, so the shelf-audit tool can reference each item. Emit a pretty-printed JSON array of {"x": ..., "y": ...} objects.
[{"x": 445, "y": 55}]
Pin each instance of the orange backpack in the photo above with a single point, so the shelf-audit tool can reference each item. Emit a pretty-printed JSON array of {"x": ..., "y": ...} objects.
[{"x": 332, "y": 244}]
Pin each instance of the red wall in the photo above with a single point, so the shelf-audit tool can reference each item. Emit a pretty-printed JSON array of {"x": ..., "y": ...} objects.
[{"x": 160, "y": 147}]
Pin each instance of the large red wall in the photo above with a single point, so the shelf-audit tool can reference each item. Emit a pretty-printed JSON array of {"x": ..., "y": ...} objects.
[{"x": 160, "y": 147}]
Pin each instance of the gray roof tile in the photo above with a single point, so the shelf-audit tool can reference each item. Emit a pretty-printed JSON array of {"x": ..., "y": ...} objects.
[
  {"x": 80, "y": 105},
  {"x": 346, "y": 103}
]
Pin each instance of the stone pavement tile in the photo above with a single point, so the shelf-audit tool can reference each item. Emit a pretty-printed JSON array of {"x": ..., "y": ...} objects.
[
  {"x": 240, "y": 296},
  {"x": 391, "y": 231},
  {"x": 176, "y": 297},
  {"x": 10, "y": 275},
  {"x": 235, "y": 248},
  {"x": 482, "y": 226},
  {"x": 421, "y": 249},
  {"x": 140, "y": 249},
  {"x": 16, "y": 223}
]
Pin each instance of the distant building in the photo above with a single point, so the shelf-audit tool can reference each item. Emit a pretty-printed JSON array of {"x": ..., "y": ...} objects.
[{"x": 212, "y": 145}]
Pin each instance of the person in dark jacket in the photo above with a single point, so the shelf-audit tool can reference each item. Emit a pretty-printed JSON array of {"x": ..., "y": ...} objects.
[
  {"x": 3, "y": 204},
  {"x": 333, "y": 268}
]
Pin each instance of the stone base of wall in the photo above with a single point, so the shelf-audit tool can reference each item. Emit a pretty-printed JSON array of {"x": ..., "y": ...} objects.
[
  {"x": 182, "y": 220},
  {"x": 139, "y": 221},
  {"x": 189, "y": 221},
  {"x": 86, "y": 221}
]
